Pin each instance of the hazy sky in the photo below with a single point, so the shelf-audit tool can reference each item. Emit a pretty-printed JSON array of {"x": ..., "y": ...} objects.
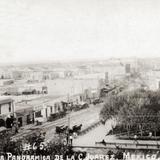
[{"x": 33, "y": 30}]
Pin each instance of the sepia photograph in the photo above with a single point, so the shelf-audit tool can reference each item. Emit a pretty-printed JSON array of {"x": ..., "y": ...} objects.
[{"x": 79, "y": 80}]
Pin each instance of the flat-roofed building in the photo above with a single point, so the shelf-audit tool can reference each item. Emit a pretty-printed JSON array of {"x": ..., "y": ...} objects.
[
  {"x": 128, "y": 68},
  {"x": 106, "y": 78},
  {"x": 24, "y": 114},
  {"x": 7, "y": 110}
]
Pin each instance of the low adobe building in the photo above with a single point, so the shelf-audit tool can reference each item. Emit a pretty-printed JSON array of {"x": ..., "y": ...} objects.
[{"x": 7, "y": 112}]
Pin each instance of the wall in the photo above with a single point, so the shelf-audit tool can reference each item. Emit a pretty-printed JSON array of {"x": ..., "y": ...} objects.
[{"x": 5, "y": 108}]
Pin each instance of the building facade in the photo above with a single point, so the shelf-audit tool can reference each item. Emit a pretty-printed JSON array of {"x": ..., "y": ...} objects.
[{"x": 7, "y": 112}]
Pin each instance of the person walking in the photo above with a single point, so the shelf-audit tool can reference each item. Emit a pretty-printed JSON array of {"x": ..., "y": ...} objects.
[
  {"x": 135, "y": 139},
  {"x": 71, "y": 139},
  {"x": 150, "y": 134},
  {"x": 74, "y": 134}
]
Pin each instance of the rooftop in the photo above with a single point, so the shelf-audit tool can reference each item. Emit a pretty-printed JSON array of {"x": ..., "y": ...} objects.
[
  {"x": 5, "y": 100},
  {"x": 27, "y": 104}
]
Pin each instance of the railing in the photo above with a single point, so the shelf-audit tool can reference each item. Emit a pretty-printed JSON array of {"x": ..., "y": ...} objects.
[
  {"x": 129, "y": 146},
  {"x": 89, "y": 128},
  {"x": 134, "y": 145}
]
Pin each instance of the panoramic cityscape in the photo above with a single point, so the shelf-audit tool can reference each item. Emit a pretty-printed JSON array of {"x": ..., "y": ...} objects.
[
  {"x": 79, "y": 80},
  {"x": 108, "y": 106}
]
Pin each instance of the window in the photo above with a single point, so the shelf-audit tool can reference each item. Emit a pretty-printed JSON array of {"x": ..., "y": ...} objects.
[
  {"x": 51, "y": 109},
  {"x": 38, "y": 114},
  {"x": 46, "y": 113},
  {"x": 9, "y": 107}
]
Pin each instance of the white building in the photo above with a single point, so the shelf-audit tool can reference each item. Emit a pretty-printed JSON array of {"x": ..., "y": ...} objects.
[{"x": 6, "y": 110}]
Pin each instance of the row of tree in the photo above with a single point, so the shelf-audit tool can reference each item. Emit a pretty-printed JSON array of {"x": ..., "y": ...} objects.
[
  {"x": 35, "y": 144},
  {"x": 135, "y": 111}
]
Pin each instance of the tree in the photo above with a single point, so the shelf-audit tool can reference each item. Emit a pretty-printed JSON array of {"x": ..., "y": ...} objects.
[{"x": 137, "y": 110}]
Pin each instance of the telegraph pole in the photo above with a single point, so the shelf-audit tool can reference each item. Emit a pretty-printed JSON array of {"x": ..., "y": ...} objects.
[
  {"x": 68, "y": 119},
  {"x": 68, "y": 111}
]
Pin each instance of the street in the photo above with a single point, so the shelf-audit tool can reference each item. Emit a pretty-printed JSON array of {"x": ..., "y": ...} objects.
[
  {"x": 86, "y": 117},
  {"x": 96, "y": 135}
]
